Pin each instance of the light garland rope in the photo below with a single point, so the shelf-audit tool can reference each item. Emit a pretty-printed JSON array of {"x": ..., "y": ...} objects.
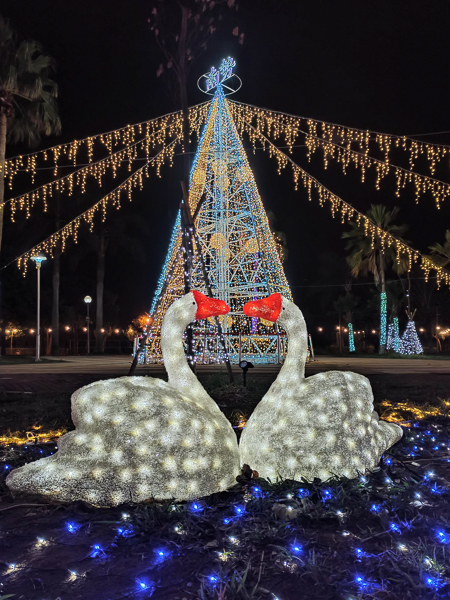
[
  {"x": 110, "y": 140},
  {"x": 70, "y": 230},
  {"x": 347, "y": 211},
  {"x": 434, "y": 153},
  {"x": 275, "y": 125},
  {"x": 67, "y": 184},
  {"x": 346, "y": 155}
]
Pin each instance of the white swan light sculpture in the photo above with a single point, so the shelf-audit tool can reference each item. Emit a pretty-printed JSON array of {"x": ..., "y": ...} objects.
[
  {"x": 320, "y": 426},
  {"x": 140, "y": 437}
]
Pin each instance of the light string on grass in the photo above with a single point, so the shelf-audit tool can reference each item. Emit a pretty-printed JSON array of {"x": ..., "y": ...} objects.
[
  {"x": 111, "y": 141},
  {"x": 336, "y": 143},
  {"x": 347, "y": 212},
  {"x": 70, "y": 230}
]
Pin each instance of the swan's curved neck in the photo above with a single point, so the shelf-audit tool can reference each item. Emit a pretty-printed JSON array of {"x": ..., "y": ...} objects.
[
  {"x": 180, "y": 374},
  {"x": 295, "y": 327}
]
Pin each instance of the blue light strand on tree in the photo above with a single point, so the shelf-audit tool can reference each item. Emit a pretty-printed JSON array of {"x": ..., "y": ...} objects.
[
  {"x": 393, "y": 337},
  {"x": 162, "y": 277},
  {"x": 351, "y": 338},
  {"x": 383, "y": 318},
  {"x": 397, "y": 340}
]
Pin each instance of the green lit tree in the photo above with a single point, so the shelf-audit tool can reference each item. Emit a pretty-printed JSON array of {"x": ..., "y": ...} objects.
[
  {"x": 345, "y": 306},
  {"x": 366, "y": 257}
]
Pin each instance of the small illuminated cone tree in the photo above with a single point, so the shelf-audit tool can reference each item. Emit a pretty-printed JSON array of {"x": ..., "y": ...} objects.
[
  {"x": 366, "y": 257},
  {"x": 410, "y": 343},
  {"x": 233, "y": 236}
]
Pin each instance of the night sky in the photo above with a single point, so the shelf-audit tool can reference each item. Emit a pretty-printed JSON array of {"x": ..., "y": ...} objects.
[{"x": 374, "y": 65}]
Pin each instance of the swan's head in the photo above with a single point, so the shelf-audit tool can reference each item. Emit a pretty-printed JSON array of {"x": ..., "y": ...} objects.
[
  {"x": 274, "y": 308},
  {"x": 195, "y": 306}
]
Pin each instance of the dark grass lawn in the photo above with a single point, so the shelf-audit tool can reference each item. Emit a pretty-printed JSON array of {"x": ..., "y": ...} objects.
[
  {"x": 386, "y": 536},
  {"x": 25, "y": 360}
]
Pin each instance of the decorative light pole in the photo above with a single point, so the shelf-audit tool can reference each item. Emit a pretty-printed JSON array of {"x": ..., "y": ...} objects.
[
  {"x": 88, "y": 300},
  {"x": 38, "y": 259}
]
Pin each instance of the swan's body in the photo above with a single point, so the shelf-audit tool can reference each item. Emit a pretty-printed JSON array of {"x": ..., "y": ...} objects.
[
  {"x": 317, "y": 426},
  {"x": 140, "y": 437}
]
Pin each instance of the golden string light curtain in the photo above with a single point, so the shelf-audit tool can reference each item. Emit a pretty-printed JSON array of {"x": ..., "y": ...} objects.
[
  {"x": 338, "y": 206},
  {"x": 70, "y": 231},
  {"x": 155, "y": 131},
  {"x": 347, "y": 146},
  {"x": 352, "y": 146}
]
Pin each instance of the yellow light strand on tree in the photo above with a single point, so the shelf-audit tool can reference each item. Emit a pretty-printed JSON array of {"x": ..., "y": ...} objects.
[
  {"x": 70, "y": 231},
  {"x": 336, "y": 142},
  {"x": 173, "y": 286},
  {"x": 347, "y": 212}
]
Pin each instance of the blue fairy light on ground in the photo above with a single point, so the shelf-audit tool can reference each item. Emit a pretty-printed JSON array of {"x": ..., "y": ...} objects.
[
  {"x": 296, "y": 548},
  {"x": 162, "y": 554},
  {"x": 326, "y": 495},
  {"x": 97, "y": 551},
  {"x": 395, "y": 528},
  {"x": 145, "y": 586},
  {"x": 432, "y": 582},
  {"x": 126, "y": 532},
  {"x": 73, "y": 527}
]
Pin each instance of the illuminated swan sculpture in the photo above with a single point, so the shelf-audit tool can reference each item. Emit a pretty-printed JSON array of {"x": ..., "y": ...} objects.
[
  {"x": 140, "y": 437},
  {"x": 310, "y": 427}
]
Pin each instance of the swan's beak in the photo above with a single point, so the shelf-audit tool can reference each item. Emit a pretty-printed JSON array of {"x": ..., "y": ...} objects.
[
  {"x": 209, "y": 307},
  {"x": 268, "y": 308}
]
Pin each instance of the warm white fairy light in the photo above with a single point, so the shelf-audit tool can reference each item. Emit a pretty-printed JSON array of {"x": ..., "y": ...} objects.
[
  {"x": 151, "y": 133},
  {"x": 70, "y": 231},
  {"x": 350, "y": 146}
]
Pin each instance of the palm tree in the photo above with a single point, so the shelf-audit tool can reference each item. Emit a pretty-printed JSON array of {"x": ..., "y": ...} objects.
[
  {"x": 28, "y": 107},
  {"x": 346, "y": 305},
  {"x": 367, "y": 256},
  {"x": 442, "y": 251}
]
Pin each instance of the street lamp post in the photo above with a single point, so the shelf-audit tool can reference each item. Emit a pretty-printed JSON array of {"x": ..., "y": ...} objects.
[
  {"x": 38, "y": 259},
  {"x": 88, "y": 300}
]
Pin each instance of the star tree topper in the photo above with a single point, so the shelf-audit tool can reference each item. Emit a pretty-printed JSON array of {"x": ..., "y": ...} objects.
[{"x": 214, "y": 77}]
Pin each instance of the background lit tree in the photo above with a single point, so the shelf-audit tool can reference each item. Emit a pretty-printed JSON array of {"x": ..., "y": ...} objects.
[{"x": 367, "y": 257}]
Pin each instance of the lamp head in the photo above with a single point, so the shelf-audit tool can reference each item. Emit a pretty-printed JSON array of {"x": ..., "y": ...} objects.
[
  {"x": 38, "y": 259},
  {"x": 87, "y": 299}
]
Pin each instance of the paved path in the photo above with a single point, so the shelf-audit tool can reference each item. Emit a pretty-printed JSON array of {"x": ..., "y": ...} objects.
[
  {"x": 119, "y": 365},
  {"x": 74, "y": 372}
]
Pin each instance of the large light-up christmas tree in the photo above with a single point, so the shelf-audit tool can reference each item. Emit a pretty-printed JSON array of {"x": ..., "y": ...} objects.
[{"x": 231, "y": 240}]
